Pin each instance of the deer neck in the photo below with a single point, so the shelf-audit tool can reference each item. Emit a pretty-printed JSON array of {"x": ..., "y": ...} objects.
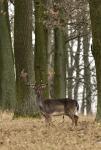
[{"x": 39, "y": 100}]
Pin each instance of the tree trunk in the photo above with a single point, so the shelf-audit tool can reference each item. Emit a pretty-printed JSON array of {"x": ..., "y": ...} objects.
[
  {"x": 70, "y": 69},
  {"x": 50, "y": 64},
  {"x": 95, "y": 13},
  {"x": 77, "y": 58},
  {"x": 59, "y": 65},
  {"x": 87, "y": 74},
  {"x": 83, "y": 104},
  {"x": 41, "y": 60},
  {"x": 7, "y": 77},
  {"x": 24, "y": 58}
]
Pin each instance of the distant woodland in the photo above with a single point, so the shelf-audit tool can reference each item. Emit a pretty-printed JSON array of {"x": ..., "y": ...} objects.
[{"x": 53, "y": 42}]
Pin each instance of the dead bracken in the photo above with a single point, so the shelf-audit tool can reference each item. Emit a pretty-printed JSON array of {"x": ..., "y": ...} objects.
[{"x": 33, "y": 134}]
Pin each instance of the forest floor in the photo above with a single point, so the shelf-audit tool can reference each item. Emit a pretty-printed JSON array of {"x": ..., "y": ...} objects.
[{"x": 33, "y": 134}]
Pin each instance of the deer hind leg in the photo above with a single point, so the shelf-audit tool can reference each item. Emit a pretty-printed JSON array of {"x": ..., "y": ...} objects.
[
  {"x": 76, "y": 119},
  {"x": 63, "y": 118},
  {"x": 73, "y": 119},
  {"x": 71, "y": 116}
]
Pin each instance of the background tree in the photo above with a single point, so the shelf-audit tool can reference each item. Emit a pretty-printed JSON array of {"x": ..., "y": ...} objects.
[
  {"x": 70, "y": 69},
  {"x": 7, "y": 77},
  {"x": 77, "y": 66}
]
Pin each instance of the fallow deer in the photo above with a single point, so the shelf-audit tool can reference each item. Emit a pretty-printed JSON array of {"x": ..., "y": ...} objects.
[{"x": 48, "y": 107}]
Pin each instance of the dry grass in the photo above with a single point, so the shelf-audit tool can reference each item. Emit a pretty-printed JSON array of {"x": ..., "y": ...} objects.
[{"x": 32, "y": 134}]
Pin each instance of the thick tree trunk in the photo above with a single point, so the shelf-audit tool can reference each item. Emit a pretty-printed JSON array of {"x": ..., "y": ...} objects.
[
  {"x": 95, "y": 13},
  {"x": 41, "y": 60},
  {"x": 24, "y": 57},
  {"x": 7, "y": 77},
  {"x": 59, "y": 65}
]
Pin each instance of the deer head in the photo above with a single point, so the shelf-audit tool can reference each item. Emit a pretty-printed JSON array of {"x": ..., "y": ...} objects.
[{"x": 39, "y": 89}]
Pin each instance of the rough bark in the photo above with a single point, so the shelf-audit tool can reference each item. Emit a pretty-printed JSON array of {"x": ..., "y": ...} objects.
[
  {"x": 95, "y": 13},
  {"x": 59, "y": 65},
  {"x": 7, "y": 77},
  {"x": 24, "y": 59},
  {"x": 41, "y": 60}
]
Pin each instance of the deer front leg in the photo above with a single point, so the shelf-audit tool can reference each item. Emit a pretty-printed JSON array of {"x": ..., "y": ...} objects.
[{"x": 48, "y": 119}]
